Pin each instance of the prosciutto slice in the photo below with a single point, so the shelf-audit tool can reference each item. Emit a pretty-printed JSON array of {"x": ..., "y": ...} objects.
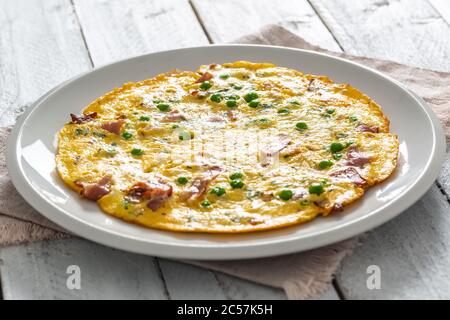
[
  {"x": 350, "y": 174},
  {"x": 95, "y": 191},
  {"x": 113, "y": 126},
  {"x": 84, "y": 118}
]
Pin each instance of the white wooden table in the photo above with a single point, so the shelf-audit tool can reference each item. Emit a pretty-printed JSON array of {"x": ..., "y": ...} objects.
[{"x": 44, "y": 42}]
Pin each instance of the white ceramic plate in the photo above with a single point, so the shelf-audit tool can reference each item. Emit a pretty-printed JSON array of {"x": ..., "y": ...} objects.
[{"x": 32, "y": 145}]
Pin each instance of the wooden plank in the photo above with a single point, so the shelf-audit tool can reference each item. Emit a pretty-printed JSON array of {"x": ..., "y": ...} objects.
[
  {"x": 228, "y": 20},
  {"x": 39, "y": 271},
  {"x": 116, "y": 29},
  {"x": 443, "y": 7},
  {"x": 408, "y": 31},
  {"x": 412, "y": 249},
  {"x": 40, "y": 46},
  {"x": 185, "y": 281},
  {"x": 412, "y": 252}
]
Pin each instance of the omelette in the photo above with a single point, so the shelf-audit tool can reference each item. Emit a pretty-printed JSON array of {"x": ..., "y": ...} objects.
[{"x": 230, "y": 148}]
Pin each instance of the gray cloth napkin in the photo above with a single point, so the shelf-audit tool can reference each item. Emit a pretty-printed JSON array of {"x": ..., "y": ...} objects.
[{"x": 303, "y": 275}]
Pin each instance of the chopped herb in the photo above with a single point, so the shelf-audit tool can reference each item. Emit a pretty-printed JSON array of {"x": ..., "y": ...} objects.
[
  {"x": 250, "y": 96},
  {"x": 80, "y": 132},
  {"x": 217, "y": 97},
  {"x": 126, "y": 203},
  {"x": 331, "y": 110},
  {"x": 316, "y": 188},
  {"x": 175, "y": 126},
  {"x": 301, "y": 126},
  {"x": 284, "y": 111},
  {"x": 231, "y": 103},
  {"x": 348, "y": 143},
  {"x": 336, "y": 147},
  {"x": 237, "y": 86},
  {"x": 205, "y": 203},
  {"x": 182, "y": 180},
  {"x": 224, "y": 76},
  {"x": 144, "y": 118},
  {"x": 206, "y": 85},
  {"x": 157, "y": 101},
  {"x": 253, "y": 104},
  {"x": 218, "y": 191},
  {"x": 337, "y": 156},
  {"x": 236, "y": 175},
  {"x": 137, "y": 152},
  {"x": 126, "y": 135},
  {"x": 305, "y": 202},
  {"x": 296, "y": 102},
  {"x": 352, "y": 118},
  {"x": 236, "y": 184},
  {"x": 99, "y": 134},
  {"x": 163, "y": 107},
  {"x": 285, "y": 194},
  {"x": 325, "y": 164}
]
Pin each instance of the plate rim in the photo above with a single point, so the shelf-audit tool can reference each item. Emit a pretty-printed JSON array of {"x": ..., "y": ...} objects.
[{"x": 275, "y": 247}]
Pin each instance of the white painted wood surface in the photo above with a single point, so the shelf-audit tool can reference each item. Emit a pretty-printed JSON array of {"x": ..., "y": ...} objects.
[
  {"x": 413, "y": 250},
  {"x": 117, "y": 29}
]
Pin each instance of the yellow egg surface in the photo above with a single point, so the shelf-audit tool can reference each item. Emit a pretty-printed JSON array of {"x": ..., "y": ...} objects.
[{"x": 230, "y": 148}]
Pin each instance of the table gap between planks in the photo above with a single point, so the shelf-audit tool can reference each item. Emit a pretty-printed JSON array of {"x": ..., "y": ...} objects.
[{"x": 43, "y": 43}]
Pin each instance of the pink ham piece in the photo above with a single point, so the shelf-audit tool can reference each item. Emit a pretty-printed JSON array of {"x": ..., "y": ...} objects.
[
  {"x": 350, "y": 174},
  {"x": 366, "y": 128},
  {"x": 156, "y": 193},
  {"x": 97, "y": 190},
  {"x": 174, "y": 116},
  {"x": 199, "y": 185},
  {"x": 113, "y": 126},
  {"x": 84, "y": 118},
  {"x": 356, "y": 158},
  {"x": 205, "y": 77}
]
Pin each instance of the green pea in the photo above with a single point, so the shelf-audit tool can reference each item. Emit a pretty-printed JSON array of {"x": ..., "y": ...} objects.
[
  {"x": 137, "y": 152},
  {"x": 184, "y": 136},
  {"x": 144, "y": 118},
  {"x": 250, "y": 96},
  {"x": 182, "y": 180},
  {"x": 301, "y": 126},
  {"x": 236, "y": 175},
  {"x": 218, "y": 191},
  {"x": 253, "y": 104},
  {"x": 236, "y": 184},
  {"x": 336, "y": 147},
  {"x": 285, "y": 194},
  {"x": 325, "y": 164},
  {"x": 163, "y": 107},
  {"x": 205, "y": 203},
  {"x": 126, "y": 135},
  {"x": 206, "y": 85},
  {"x": 217, "y": 97},
  {"x": 316, "y": 188},
  {"x": 231, "y": 103}
]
